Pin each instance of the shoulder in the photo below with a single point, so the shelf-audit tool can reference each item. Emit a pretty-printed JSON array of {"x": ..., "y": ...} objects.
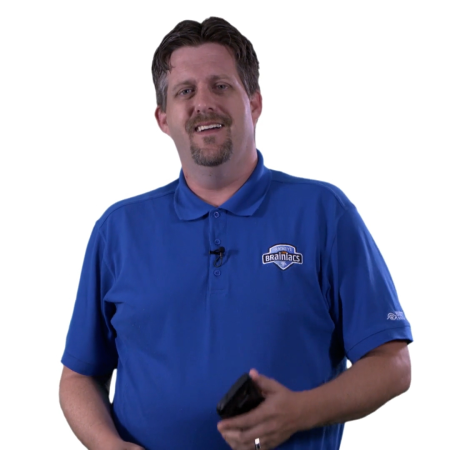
[
  {"x": 310, "y": 190},
  {"x": 139, "y": 203}
]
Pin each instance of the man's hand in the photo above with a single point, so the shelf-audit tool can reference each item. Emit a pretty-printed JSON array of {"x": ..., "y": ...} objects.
[
  {"x": 273, "y": 421},
  {"x": 380, "y": 375},
  {"x": 86, "y": 405}
]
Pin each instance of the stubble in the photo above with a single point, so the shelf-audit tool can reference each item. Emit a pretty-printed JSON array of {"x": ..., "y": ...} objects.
[{"x": 210, "y": 154}]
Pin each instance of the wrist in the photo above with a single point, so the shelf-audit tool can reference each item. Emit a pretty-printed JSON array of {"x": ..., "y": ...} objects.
[
  {"x": 109, "y": 443},
  {"x": 311, "y": 410}
]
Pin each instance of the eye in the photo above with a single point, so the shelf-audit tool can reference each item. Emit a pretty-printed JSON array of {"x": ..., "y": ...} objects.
[
  {"x": 222, "y": 87},
  {"x": 185, "y": 91}
]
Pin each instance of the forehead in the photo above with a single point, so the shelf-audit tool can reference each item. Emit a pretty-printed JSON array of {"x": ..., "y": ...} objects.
[{"x": 206, "y": 60}]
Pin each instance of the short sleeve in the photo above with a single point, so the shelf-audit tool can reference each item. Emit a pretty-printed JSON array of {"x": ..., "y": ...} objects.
[
  {"x": 363, "y": 295},
  {"x": 90, "y": 345}
]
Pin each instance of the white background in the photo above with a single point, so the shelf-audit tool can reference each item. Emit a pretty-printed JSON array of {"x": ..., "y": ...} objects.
[{"x": 355, "y": 93}]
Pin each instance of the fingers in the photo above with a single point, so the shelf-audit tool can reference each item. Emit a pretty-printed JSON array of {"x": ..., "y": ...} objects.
[
  {"x": 249, "y": 427},
  {"x": 266, "y": 385},
  {"x": 231, "y": 427},
  {"x": 242, "y": 441},
  {"x": 268, "y": 421},
  {"x": 237, "y": 441},
  {"x": 243, "y": 421},
  {"x": 261, "y": 413}
]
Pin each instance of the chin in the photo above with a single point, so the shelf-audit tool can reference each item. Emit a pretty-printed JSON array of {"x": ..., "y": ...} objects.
[{"x": 212, "y": 157}]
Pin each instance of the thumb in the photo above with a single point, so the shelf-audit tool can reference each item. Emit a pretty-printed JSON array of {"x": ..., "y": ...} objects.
[{"x": 265, "y": 384}]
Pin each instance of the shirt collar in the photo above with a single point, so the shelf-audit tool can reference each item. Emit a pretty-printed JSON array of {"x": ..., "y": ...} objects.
[{"x": 244, "y": 202}]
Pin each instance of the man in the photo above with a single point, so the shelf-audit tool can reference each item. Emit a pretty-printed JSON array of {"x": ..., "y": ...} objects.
[{"x": 230, "y": 268}]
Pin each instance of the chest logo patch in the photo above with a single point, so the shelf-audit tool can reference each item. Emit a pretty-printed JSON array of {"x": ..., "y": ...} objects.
[{"x": 283, "y": 255}]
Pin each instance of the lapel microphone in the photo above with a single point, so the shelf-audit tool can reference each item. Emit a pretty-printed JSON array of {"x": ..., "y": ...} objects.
[{"x": 219, "y": 252}]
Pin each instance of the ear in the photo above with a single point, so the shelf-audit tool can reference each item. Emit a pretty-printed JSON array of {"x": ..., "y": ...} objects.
[
  {"x": 161, "y": 118},
  {"x": 256, "y": 106}
]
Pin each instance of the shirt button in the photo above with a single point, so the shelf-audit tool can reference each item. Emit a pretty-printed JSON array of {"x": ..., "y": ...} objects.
[
  {"x": 217, "y": 241},
  {"x": 216, "y": 214},
  {"x": 217, "y": 272}
]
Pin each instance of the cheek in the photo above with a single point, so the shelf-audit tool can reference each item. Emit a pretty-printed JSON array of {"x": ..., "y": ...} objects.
[
  {"x": 246, "y": 118},
  {"x": 176, "y": 127}
]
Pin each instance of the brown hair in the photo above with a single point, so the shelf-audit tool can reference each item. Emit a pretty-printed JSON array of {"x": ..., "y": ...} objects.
[{"x": 193, "y": 34}]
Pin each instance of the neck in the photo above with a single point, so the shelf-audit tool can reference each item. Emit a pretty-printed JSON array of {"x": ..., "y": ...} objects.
[{"x": 215, "y": 185}]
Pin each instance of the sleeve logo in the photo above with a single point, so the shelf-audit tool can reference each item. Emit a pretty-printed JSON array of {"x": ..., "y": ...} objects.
[
  {"x": 283, "y": 255},
  {"x": 396, "y": 315}
]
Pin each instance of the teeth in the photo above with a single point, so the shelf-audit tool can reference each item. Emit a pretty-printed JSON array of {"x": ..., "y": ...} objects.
[{"x": 209, "y": 127}]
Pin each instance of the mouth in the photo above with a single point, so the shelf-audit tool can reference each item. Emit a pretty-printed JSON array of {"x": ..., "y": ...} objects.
[
  {"x": 211, "y": 126},
  {"x": 208, "y": 123}
]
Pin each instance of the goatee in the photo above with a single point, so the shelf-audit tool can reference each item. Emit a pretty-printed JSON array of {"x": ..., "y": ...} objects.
[
  {"x": 211, "y": 154},
  {"x": 215, "y": 157}
]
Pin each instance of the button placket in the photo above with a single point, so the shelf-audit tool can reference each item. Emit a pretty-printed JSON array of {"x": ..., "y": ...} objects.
[{"x": 217, "y": 238}]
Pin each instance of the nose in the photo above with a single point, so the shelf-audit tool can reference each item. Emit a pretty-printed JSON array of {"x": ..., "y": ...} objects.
[{"x": 204, "y": 100}]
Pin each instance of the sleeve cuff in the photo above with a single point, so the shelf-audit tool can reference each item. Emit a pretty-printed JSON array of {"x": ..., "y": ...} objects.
[
  {"x": 377, "y": 339},
  {"x": 85, "y": 368}
]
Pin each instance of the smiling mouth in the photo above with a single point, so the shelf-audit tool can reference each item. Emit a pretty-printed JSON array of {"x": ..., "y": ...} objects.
[
  {"x": 212, "y": 126},
  {"x": 207, "y": 123}
]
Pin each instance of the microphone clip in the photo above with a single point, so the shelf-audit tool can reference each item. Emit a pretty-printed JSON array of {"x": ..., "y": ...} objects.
[{"x": 219, "y": 252}]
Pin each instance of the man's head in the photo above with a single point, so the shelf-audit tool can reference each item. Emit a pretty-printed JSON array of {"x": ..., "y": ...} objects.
[
  {"x": 192, "y": 34},
  {"x": 206, "y": 78}
]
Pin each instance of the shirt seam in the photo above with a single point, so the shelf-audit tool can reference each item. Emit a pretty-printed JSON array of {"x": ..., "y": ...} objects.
[
  {"x": 317, "y": 183},
  {"x": 104, "y": 260},
  {"x": 375, "y": 333},
  {"x": 131, "y": 201},
  {"x": 328, "y": 255},
  {"x": 346, "y": 210},
  {"x": 80, "y": 360}
]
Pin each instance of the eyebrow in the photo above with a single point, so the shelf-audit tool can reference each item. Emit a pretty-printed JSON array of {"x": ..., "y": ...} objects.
[
  {"x": 183, "y": 83},
  {"x": 220, "y": 77}
]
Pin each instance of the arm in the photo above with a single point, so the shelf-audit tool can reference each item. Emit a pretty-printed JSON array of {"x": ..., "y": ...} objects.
[
  {"x": 379, "y": 376},
  {"x": 85, "y": 403}
]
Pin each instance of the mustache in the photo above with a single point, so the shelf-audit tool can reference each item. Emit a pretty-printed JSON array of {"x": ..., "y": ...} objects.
[{"x": 195, "y": 121}]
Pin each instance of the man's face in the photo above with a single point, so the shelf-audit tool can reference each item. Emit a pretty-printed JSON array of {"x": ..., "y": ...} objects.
[{"x": 208, "y": 114}]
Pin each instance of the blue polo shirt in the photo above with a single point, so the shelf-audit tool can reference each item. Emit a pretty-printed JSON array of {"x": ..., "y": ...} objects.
[{"x": 300, "y": 287}]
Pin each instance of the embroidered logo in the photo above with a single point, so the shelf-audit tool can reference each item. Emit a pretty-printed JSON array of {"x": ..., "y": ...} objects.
[
  {"x": 396, "y": 315},
  {"x": 283, "y": 255}
]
